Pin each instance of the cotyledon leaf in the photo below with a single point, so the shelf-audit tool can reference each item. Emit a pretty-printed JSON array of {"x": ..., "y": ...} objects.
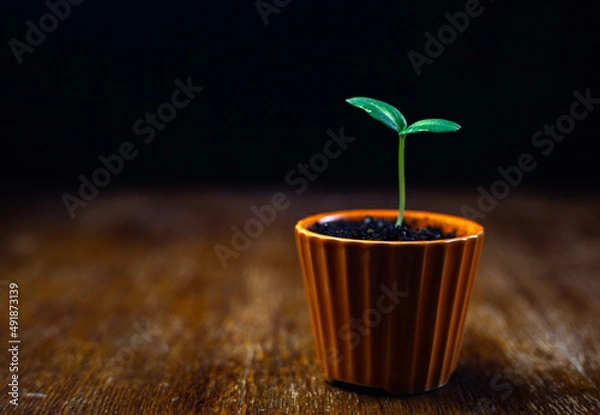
[
  {"x": 431, "y": 125},
  {"x": 385, "y": 113}
]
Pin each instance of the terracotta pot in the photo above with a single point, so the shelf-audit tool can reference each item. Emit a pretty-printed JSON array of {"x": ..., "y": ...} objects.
[{"x": 388, "y": 314}]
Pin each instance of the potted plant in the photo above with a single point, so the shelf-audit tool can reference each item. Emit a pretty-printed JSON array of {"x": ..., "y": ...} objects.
[{"x": 388, "y": 290}]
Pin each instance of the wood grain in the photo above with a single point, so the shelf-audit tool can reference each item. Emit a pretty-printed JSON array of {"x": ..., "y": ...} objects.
[{"x": 127, "y": 308}]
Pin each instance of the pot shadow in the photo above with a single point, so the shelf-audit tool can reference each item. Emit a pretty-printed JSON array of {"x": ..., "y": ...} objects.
[{"x": 478, "y": 385}]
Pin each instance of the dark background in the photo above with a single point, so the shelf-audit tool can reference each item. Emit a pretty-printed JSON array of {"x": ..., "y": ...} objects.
[{"x": 272, "y": 91}]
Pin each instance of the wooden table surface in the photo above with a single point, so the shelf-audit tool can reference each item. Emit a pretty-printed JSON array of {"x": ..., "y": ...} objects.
[{"x": 127, "y": 309}]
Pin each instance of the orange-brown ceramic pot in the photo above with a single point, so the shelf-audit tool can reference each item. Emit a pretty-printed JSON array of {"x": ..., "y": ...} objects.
[{"x": 389, "y": 314}]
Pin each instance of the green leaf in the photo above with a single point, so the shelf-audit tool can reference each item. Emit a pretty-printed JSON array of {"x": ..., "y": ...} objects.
[
  {"x": 382, "y": 112},
  {"x": 431, "y": 125}
]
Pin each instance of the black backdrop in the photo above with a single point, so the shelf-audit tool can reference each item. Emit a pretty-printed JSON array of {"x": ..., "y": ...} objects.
[{"x": 273, "y": 87}]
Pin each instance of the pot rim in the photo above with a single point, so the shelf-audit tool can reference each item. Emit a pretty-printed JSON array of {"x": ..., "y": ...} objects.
[{"x": 303, "y": 224}]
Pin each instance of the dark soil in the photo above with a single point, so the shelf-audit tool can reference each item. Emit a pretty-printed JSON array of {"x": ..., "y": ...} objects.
[{"x": 374, "y": 229}]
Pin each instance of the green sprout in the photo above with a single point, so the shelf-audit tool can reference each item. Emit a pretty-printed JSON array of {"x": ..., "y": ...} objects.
[{"x": 392, "y": 118}]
